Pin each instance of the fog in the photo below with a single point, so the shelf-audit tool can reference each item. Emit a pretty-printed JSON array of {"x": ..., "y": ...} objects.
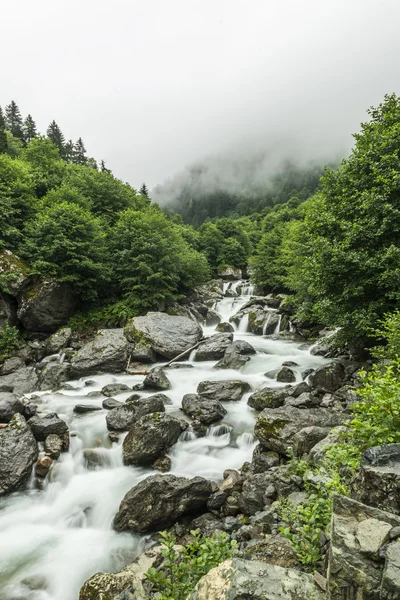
[{"x": 158, "y": 85}]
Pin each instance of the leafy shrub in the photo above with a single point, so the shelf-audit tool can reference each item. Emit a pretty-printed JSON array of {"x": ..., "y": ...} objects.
[
  {"x": 9, "y": 341},
  {"x": 181, "y": 569}
]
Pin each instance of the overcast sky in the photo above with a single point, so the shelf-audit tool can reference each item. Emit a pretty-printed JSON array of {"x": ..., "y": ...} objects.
[{"x": 154, "y": 85}]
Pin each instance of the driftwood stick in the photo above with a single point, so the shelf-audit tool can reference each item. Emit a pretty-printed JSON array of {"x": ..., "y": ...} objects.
[{"x": 184, "y": 353}]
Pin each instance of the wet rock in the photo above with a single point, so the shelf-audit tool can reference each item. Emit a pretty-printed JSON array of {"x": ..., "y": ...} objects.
[
  {"x": 9, "y": 405},
  {"x": 53, "y": 375},
  {"x": 18, "y": 454},
  {"x": 305, "y": 400},
  {"x": 160, "y": 500},
  {"x": 176, "y": 365},
  {"x": 286, "y": 375},
  {"x": 58, "y": 340},
  {"x": 273, "y": 550},
  {"x": 143, "y": 354},
  {"x": 267, "y": 398},
  {"x": 275, "y": 428},
  {"x": 237, "y": 354},
  {"x": 45, "y": 305},
  {"x": 11, "y": 364},
  {"x": 44, "y": 426},
  {"x": 224, "y": 328},
  {"x": 106, "y": 353},
  {"x": 81, "y": 409},
  {"x": 167, "y": 335},
  {"x": 157, "y": 398},
  {"x": 150, "y": 437},
  {"x": 214, "y": 347},
  {"x": 237, "y": 579},
  {"x": 21, "y": 381},
  {"x": 43, "y": 466},
  {"x": 213, "y": 318},
  {"x": 352, "y": 572},
  {"x": 53, "y": 445},
  {"x": 329, "y": 377},
  {"x": 123, "y": 417},
  {"x": 112, "y": 389},
  {"x": 157, "y": 380},
  {"x": 306, "y": 438},
  {"x": 110, "y": 403},
  {"x": 162, "y": 464},
  {"x": 94, "y": 394},
  {"x": 224, "y": 391},
  {"x": 204, "y": 410}
]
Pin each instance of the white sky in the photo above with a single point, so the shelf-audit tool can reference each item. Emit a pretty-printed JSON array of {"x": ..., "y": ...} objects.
[{"x": 154, "y": 85}]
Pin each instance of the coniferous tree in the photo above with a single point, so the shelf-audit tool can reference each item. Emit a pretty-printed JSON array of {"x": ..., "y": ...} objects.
[
  {"x": 69, "y": 151},
  {"x": 79, "y": 157},
  {"x": 3, "y": 135},
  {"x": 56, "y": 136},
  {"x": 103, "y": 167},
  {"x": 14, "y": 120},
  {"x": 144, "y": 191},
  {"x": 30, "y": 130}
]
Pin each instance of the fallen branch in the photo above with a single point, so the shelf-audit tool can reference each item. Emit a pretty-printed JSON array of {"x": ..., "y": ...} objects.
[{"x": 182, "y": 354}]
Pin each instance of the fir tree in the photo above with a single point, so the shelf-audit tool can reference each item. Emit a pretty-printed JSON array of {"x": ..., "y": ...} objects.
[
  {"x": 14, "y": 120},
  {"x": 69, "y": 151},
  {"x": 30, "y": 130},
  {"x": 103, "y": 167},
  {"x": 3, "y": 135},
  {"x": 79, "y": 157},
  {"x": 56, "y": 136},
  {"x": 144, "y": 191}
]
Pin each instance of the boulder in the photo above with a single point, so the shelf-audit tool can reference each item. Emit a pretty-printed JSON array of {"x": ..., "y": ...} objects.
[
  {"x": 202, "y": 409},
  {"x": 110, "y": 403},
  {"x": 238, "y": 579},
  {"x": 276, "y": 427},
  {"x": 263, "y": 460},
  {"x": 357, "y": 533},
  {"x": 230, "y": 273},
  {"x": 18, "y": 454},
  {"x": 42, "y": 427},
  {"x": 10, "y": 404},
  {"x": 58, "y": 340},
  {"x": 157, "y": 380},
  {"x": 52, "y": 375},
  {"x": 159, "y": 501},
  {"x": 237, "y": 354},
  {"x": 123, "y": 417},
  {"x": 224, "y": 391},
  {"x": 213, "y": 318},
  {"x": 268, "y": 398},
  {"x": 21, "y": 381},
  {"x": 112, "y": 389},
  {"x": 317, "y": 452},
  {"x": 143, "y": 354},
  {"x": 150, "y": 437},
  {"x": 43, "y": 466},
  {"x": 328, "y": 378},
  {"x": 14, "y": 273},
  {"x": 286, "y": 375},
  {"x": 214, "y": 347},
  {"x": 108, "y": 352},
  {"x": 82, "y": 409},
  {"x": 224, "y": 328},
  {"x": 46, "y": 305},
  {"x": 306, "y": 438},
  {"x": 11, "y": 364},
  {"x": 53, "y": 445},
  {"x": 167, "y": 335},
  {"x": 273, "y": 550}
]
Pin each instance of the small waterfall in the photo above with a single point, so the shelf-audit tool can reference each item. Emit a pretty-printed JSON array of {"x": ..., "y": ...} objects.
[
  {"x": 278, "y": 326},
  {"x": 247, "y": 289},
  {"x": 61, "y": 357},
  {"x": 244, "y": 324},
  {"x": 246, "y": 439},
  {"x": 266, "y": 323},
  {"x": 291, "y": 328},
  {"x": 225, "y": 287}
]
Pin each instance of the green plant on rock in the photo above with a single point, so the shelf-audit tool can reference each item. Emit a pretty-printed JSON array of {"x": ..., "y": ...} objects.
[
  {"x": 182, "y": 568},
  {"x": 9, "y": 341}
]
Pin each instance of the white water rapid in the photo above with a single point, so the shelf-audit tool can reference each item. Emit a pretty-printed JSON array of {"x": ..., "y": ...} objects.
[{"x": 52, "y": 540}]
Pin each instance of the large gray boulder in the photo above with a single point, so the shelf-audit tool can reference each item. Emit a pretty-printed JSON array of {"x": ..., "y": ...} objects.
[
  {"x": 21, "y": 381},
  {"x": 150, "y": 437},
  {"x": 123, "y": 417},
  {"x": 357, "y": 534},
  {"x": 108, "y": 352},
  {"x": 18, "y": 454},
  {"x": 157, "y": 380},
  {"x": 45, "y": 306},
  {"x": 276, "y": 427},
  {"x": 167, "y": 335},
  {"x": 202, "y": 409},
  {"x": 51, "y": 423},
  {"x": 329, "y": 378},
  {"x": 236, "y": 356},
  {"x": 268, "y": 398},
  {"x": 214, "y": 347},
  {"x": 9, "y": 405},
  {"x": 52, "y": 375},
  {"x": 237, "y": 579},
  {"x": 224, "y": 391},
  {"x": 159, "y": 501},
  {"x": 60, "y": 339}
]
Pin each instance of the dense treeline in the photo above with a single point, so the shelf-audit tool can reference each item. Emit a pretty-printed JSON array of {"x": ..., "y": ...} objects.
[{"x": 339, "y": 251}]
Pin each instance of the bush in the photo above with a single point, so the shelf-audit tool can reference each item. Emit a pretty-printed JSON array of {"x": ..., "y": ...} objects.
[
  {"x": 181, "y": 569},
  {"x": 9, "y": 341}
]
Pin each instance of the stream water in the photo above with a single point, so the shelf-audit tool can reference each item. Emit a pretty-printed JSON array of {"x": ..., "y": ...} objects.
[{"x": 52, "y": 540}]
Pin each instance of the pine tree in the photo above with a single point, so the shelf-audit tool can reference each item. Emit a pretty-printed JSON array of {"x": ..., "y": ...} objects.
[
  {"x": 14, "y": 120},
  {"x": 69, "y": 151},
  {"x": 56, "y": 136},
  {"x": 144, "y": 191},
  {"x": 3, "y": 135},
  {"x": 79, "y": 157},
  {"x": 103, "y": 167},
  {"x": 30, "y": 130}
]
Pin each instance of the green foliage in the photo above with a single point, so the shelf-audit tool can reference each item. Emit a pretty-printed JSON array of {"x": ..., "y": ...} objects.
[
  {"x": 16, "y": 199},
  {"x": 389, "y": 331},
  {"x": 9, "y": 341},
  {"x": 3, "y": 134},
  {"x": 46, "y": 164},
  {"x": 181, "y": 569},
  {"x": 14, "y": 120}
]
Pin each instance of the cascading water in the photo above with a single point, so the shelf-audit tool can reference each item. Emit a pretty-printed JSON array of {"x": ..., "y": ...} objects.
[{"x": 52, "y": 540}]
